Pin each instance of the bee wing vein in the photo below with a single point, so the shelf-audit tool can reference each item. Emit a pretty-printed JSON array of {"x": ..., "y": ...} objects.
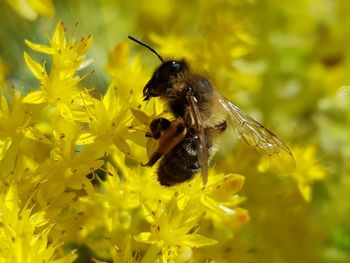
[{"x": 252, "y": 132}]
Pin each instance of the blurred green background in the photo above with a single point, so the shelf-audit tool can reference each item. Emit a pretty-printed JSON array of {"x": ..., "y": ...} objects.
[{"x": 286, "y": 63}]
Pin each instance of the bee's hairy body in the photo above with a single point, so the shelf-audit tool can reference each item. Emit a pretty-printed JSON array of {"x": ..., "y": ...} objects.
[
  {"x": 181, "y": 162},
  {"x": 202, "y": 91},
  {"x": 185, "y": 143}
]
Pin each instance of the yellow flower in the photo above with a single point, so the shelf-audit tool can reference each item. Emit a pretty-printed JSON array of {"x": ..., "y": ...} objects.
[
  {"x": 24, "y": 234},
  {"x": 15, "y": 120},
  {"x": 174, "y": 46},
  {"x": 173, "y": 231},
  {"x": 70, "y": 173},
  {"x": 175, "y": 223},
  {"x": 219, "y": 198},
  {"x": 31, "y": 9},
  {"x": 308, "y": 169},
  {"x": 127, "y": 72},
  {"x": 60, "y": 84},
  {"x": 109, "y": 122}
]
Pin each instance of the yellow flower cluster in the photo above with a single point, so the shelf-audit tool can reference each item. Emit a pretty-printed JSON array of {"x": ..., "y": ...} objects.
[
  {"x": 72, "y": 132},
  {"x": 71, "y": 175},
  {"x": 25, "y": 234}
]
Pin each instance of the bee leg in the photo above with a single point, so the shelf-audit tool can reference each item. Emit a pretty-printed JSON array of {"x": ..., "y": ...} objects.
[
  {"x": 154, "y": 158},
  {"x": 217, "y": 129},
  {"x": 172, "y": 136}
]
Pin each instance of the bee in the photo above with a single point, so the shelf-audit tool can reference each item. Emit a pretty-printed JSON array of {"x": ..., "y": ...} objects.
[{"x": 201, "y": 113}]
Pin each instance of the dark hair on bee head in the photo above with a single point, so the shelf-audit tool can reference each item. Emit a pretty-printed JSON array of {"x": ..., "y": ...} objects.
[{"x": 147, "y": 46}]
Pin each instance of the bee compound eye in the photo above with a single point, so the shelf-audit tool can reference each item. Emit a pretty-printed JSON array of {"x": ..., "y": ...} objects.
[
  {"x": 176, "y": 66},
  {"x": 173, "y": 67}
]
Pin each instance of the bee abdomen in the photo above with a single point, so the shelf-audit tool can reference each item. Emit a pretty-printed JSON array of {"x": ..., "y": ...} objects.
[
  {"x": 181, "y": 164},
  {"x": 171, "y": 172}
]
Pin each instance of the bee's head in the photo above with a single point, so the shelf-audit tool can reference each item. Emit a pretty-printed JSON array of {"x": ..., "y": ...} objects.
[{"x": 163, "y": 77}]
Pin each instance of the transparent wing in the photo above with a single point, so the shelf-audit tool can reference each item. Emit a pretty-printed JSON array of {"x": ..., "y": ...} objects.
[
  {"x": 202, "y": 146},
  {"x": 258, "y": 137}
]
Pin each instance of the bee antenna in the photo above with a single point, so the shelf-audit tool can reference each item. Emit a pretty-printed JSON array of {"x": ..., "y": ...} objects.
[{"x": 147, "y": 46}]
